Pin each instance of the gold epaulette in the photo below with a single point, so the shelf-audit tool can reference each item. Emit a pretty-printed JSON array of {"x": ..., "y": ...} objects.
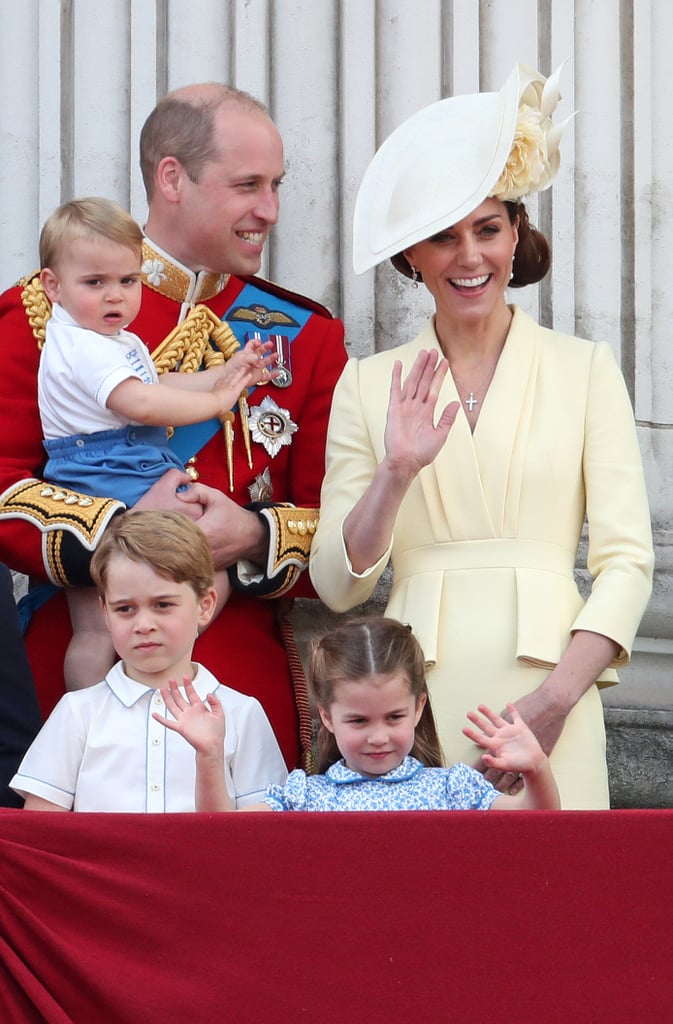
[
  {"x": 56, "y": 511},
  {"x": 36, "y": 305},
  {"x": 291, "y": 532}
]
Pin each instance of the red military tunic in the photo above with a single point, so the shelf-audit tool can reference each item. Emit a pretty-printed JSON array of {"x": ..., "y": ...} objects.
[{"x": 244, "y": 646}]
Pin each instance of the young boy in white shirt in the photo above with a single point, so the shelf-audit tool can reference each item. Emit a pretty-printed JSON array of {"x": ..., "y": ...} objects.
[{"x": 101, "y": 749}]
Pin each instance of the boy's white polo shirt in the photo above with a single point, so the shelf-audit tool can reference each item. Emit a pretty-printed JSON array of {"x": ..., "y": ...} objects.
[
  {"x": 101, "y": 750},
  {"x": 78, "y": 371}
]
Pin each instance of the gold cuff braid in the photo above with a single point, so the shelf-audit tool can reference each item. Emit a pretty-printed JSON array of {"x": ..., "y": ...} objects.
[
  {"x": 56, "y": 511},
  {"x": 291, "y": 532}
]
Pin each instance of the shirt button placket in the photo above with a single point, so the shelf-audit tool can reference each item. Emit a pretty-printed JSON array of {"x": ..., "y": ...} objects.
[{"x": 156, "y": 758}]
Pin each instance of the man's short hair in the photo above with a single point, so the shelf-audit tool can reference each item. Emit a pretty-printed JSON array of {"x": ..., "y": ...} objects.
[{"x": 184, "y": 127}]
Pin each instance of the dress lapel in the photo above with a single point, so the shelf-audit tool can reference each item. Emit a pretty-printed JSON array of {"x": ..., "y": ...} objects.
[{"x": 473, "y": 487}]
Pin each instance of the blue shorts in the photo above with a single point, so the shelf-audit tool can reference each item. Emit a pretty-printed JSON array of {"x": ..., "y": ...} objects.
[{"x": 121, "y": 464}]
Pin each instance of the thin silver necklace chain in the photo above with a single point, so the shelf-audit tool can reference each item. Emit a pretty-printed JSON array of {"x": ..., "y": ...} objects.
[{"x": 472, "y": 399}]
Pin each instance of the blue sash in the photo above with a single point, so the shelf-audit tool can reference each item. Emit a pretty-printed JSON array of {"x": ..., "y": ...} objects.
[{"x": 247, "y": 312}]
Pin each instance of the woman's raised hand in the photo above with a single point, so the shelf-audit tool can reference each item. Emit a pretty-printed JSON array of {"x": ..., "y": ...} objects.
[{"x": 412, "y": 438}]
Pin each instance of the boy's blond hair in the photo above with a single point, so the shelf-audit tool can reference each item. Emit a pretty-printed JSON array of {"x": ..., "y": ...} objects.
[
  {"x": 89, "y": 218},
  {"x": 169, "y": 542}
]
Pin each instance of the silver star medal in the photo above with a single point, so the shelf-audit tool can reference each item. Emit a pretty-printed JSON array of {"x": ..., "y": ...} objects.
[{"x": 271, "y": 426}]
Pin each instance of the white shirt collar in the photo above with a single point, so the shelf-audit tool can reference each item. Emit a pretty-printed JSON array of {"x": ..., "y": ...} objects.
[{"x": 128, "y": 691}]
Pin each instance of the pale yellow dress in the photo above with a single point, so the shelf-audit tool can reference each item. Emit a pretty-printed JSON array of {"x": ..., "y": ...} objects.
[{"x": 485, "y": 542}]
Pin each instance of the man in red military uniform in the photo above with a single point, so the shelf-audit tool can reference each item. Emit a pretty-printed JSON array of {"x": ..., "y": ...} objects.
[{"x": 212, "y": 162}]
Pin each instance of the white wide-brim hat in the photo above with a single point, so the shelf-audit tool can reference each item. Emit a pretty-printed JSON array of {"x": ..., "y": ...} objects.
[{"x": 443, "y": 161}]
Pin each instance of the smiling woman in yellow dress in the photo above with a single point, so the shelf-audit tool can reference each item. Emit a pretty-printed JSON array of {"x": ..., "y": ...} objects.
[{"x": 471, "y": 456}]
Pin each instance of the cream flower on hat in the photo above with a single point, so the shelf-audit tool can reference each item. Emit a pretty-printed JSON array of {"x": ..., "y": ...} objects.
[{"x": 534, "y": 158}]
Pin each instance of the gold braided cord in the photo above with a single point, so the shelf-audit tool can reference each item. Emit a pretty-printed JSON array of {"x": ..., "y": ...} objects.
[
  {"x": 188, "y": 344},
  {"x": 37, "y": 307}
]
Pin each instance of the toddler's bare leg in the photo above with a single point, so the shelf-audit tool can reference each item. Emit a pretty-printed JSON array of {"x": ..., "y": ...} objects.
[{"x": 90, "y": 654}]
